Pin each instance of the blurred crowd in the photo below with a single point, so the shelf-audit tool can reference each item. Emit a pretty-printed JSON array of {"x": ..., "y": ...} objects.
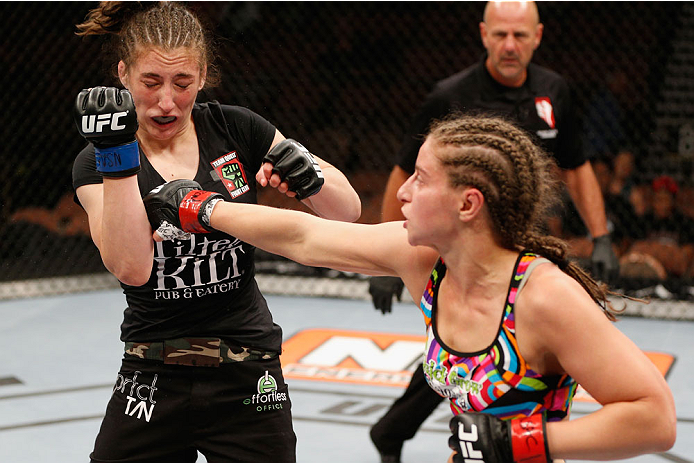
[{"x": 650, "y": 217}]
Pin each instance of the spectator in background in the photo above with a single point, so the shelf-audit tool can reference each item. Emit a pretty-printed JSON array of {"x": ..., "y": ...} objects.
[
  {"x": 615, "y": 183},
  {"x": 668, "y": 234},
  {"x": 503, "y": 83},
  {"x": 640, "y": 198},
  {"x": 622, "y": 220},
  {"x": 622, "y": 180},
  {"x": 66, "y": 218},
  {"x": 685, "y": 199}
]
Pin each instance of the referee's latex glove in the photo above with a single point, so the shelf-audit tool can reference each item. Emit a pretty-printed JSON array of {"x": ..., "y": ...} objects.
[
  {"x": 382, "y": 290},
  {"x": 605, "y": 264}
]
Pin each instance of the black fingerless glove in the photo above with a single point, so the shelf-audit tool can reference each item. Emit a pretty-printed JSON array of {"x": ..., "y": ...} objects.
[
  {"x": 106, "y": 117},
  {"x": 183, "y": 204},
  {"x": 296, "y": 166},
  {"x": 486, "y": 438}
]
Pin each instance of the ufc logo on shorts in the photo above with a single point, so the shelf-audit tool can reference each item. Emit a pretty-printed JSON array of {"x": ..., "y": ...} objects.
[
  {"x": 466, "y": 440},
  {"x": 94, "y": 123}
]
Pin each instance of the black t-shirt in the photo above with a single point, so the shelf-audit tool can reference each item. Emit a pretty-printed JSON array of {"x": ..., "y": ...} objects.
[
  {"x": 204, "y": 286},
  {"x": 542, "y": 106}
]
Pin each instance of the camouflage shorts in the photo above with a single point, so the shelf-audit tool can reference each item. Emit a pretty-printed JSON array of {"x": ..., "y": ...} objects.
[{"x": 199, "y": 352}]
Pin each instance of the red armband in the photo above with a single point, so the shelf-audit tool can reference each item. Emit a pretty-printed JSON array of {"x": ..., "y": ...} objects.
[
  {"x": 190, "y": 209},
  {"x": 528, "y": 440}
]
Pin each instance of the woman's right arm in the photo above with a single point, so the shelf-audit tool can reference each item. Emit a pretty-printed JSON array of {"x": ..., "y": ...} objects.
[
  {"x": 380, "y": 249},
  {"x": 117, "y": 217},
  {"x": 119, "y": 228},
  {"x": 556, "y": 316}
]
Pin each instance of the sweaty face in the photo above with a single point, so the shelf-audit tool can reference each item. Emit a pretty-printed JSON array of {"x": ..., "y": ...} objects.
[
  {"x": 164, "y": 86},
  {"x": 510, "y": 33},
  {"x": 430, "y": 204}
]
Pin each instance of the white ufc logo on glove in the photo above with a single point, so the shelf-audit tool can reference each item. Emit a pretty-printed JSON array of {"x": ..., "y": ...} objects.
[
  {"x": 466, "y": 440},
  {"x": 94, "y": 123}
]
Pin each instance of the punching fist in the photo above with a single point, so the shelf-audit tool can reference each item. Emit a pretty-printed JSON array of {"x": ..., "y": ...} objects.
[
  {"x": 106, "y": 117},
  {"x": 483, "y": 438},
  {"x": 296, "y": 166},
  {"x": 181, "y": 204}
]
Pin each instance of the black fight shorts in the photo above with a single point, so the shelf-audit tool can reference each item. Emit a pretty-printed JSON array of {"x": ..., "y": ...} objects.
[{"x": 158, "y": 413}]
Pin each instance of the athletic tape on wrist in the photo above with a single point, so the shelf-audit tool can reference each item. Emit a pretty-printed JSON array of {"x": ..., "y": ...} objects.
[
  {"x": 118, "y": 161},
  {"x": 207, "y": 211},
  {"x": 528, "y": 440},
  {"x": 190, "y": 212},
  {"x": 169, "y": 231}
]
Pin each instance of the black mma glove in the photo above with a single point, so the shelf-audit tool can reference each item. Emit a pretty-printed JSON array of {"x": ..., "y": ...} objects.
[
  {"x": 182, "y": 204},
  {"x": 296, "y": 166},
  {"x": 603, "y": 259},
  {"x": 106, "y": 117},
  {"x": 483, "y": 438},
  {"x": 382, "y": 290}
]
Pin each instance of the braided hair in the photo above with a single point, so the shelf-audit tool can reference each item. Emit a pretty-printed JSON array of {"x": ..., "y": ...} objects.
[{"x": 515, "y": 176}]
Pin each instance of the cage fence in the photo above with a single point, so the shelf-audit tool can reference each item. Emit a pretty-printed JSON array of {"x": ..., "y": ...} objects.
[{"x": 345, "y": 78}]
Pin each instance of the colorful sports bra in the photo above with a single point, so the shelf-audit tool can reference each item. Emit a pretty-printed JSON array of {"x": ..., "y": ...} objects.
[{"x": 495, "y": 380}]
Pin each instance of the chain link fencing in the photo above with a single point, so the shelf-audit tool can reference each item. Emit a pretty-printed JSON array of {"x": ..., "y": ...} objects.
[{"x": 345, "y": 79}]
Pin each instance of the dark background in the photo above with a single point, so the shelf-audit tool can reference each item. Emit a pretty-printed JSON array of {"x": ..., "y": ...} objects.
[{"x": 343, "y": 78}]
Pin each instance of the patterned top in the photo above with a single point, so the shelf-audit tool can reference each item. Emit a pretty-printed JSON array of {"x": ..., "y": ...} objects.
[{"x": 495, "y": 380}]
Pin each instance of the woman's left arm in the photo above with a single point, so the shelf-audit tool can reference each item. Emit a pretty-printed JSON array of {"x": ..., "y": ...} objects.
[
  {"x": 638, "y": 412},
  {"x": 336, "y": 200}
]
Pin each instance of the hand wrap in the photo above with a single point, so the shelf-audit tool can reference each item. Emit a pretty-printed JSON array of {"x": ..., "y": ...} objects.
[
  {"x": 181, "y": 204},
  {"x": 479, "y": 437},
  {"x": 195, "y": 210}
]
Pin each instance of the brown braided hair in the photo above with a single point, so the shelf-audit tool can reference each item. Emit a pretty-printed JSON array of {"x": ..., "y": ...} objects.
[
  {"x": 515, "y": 176},
  {"x": 136, "y": 26}
]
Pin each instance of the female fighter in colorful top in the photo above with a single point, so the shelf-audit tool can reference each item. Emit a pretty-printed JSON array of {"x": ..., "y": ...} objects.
[{"x": 512, "y": 325}]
